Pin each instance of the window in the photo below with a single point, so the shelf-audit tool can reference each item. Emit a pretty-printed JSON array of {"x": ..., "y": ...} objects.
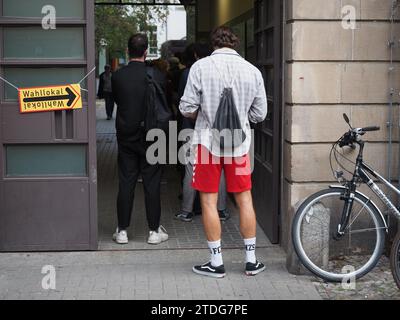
[
  {"x": 33, "y": 8},
  {"x": 36, "y": 43},
  {"x": 45, "y": 160},
  {"x": 153, "y": 41}
]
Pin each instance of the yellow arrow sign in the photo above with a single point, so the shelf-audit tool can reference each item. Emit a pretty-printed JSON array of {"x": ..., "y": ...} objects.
[{"x": 50, "y": 98}]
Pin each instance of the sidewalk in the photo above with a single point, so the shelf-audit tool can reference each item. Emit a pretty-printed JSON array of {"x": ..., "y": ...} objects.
[{"x": 143, "y": 275}]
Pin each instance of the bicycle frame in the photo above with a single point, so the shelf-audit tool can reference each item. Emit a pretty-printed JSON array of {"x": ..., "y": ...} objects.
[
  {"x": 362, "y": 171},
  {"x": 374, "y": 187}
]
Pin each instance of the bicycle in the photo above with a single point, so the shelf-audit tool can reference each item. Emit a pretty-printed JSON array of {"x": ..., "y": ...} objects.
[{"x": 339, "y": 233}]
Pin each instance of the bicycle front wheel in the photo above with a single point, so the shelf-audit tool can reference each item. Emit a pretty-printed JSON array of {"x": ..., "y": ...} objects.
[
  {"x": 395, "y": 259},
  {"x": 332, "y": 258}
]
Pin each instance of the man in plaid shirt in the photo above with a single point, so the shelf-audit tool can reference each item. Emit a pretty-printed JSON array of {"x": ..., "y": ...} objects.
[{"x": 208, "y": 78}]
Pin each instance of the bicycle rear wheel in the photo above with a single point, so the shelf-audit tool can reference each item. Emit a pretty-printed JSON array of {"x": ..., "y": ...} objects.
[
  {"x": 395, "y": 259},
  {"x": 314, "y": 238}
]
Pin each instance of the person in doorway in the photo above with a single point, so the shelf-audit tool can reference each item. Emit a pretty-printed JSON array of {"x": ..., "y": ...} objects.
[
  {"x": 105, "y": 91},
  {"x": 208, "y": 79},
  {"x": 174, "y": 75},
  {"x": 129, "y": 85},
  {"x": 193, "y": 53}
]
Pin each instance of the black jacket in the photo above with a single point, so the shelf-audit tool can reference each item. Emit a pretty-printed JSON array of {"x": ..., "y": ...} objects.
[
  {"x": 100, "y": 93},
  {"x": 129, "y": 85}
]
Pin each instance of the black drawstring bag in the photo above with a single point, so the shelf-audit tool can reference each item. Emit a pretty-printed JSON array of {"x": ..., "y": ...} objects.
[{"x": 227, "y": 131}]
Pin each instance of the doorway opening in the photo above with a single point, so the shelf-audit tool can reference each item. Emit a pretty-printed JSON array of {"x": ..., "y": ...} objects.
[
  {"x": 151, "y": 18},
  {"x": 63, "y": 199}
]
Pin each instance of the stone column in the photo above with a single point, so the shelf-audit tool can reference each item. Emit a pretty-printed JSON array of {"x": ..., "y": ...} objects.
[{"x": 330, "y": 70}]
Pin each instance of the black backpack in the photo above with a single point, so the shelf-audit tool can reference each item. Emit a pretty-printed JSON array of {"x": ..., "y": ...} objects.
[
  {"x": 227, "y": 121},
  {"x": 157, "y": 113}
]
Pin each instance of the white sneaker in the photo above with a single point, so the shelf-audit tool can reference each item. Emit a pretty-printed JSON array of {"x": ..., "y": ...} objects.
[
  {"x": 120, "y": 237},
  {"x": 156, "y": 237}
]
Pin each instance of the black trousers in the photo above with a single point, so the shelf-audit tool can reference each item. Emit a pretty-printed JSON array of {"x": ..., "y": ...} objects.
[
  {"x": 131, "y": 163},
  {"x": 108, "y": 97}
]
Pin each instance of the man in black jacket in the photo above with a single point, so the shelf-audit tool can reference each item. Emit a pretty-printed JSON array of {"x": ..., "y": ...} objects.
[{"x": 129, "y": 86}]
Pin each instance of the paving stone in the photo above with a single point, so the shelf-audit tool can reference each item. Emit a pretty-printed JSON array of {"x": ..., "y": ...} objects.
[{"x": 167, "y": 285}]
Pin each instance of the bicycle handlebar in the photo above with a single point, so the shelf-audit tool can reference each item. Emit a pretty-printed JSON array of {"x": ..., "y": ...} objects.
[
  {"x": 354, "y": 135},
  {"x": 373, "y": 128}
]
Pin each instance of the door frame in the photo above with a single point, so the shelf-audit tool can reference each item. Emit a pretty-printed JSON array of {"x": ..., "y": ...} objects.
[
  {"x": 276, "y": 62},
  {"x": 92, "y": 123}
]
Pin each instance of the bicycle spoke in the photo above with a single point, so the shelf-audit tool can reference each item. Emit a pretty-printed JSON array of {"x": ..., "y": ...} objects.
[
  {"x": 363, "y": 207},
  {"x": 365, "y": 230}
]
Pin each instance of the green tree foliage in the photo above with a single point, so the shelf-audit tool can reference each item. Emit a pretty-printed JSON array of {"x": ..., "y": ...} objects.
[
  {"x": 150, "y": 15},
  {"x": 115, "y": 24}
]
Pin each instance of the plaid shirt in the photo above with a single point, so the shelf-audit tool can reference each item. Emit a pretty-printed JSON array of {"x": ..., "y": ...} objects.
[{"x": 203, "y": 92}]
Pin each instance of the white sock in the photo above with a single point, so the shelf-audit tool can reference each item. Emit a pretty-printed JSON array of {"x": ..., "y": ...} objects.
[
  {"x": 250, "y": 245},
  {"x": 216, "y": 254}
]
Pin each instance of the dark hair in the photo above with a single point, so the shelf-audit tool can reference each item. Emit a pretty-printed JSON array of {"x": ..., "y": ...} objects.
[
  {"x": 224, "y": 37},
  {"x": 199, "y": 49},
  {"x": 137, "y": 45},
  {"x": 179, "y": 55},
  {"x": 202, "y": 50},
  {"x": 188, "y": 56}
]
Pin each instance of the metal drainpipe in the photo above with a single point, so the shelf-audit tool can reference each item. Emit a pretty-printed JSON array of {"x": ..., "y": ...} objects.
[
  {"x": 391, "y": 44},
  {"x": 395, "y": 6}
]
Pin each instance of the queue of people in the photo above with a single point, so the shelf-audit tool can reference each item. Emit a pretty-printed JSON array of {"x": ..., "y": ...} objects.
[{"x": 208, "y": 89}]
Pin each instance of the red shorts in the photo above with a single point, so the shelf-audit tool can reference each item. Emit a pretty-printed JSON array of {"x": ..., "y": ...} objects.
[{"x": 207, "y": 171}]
